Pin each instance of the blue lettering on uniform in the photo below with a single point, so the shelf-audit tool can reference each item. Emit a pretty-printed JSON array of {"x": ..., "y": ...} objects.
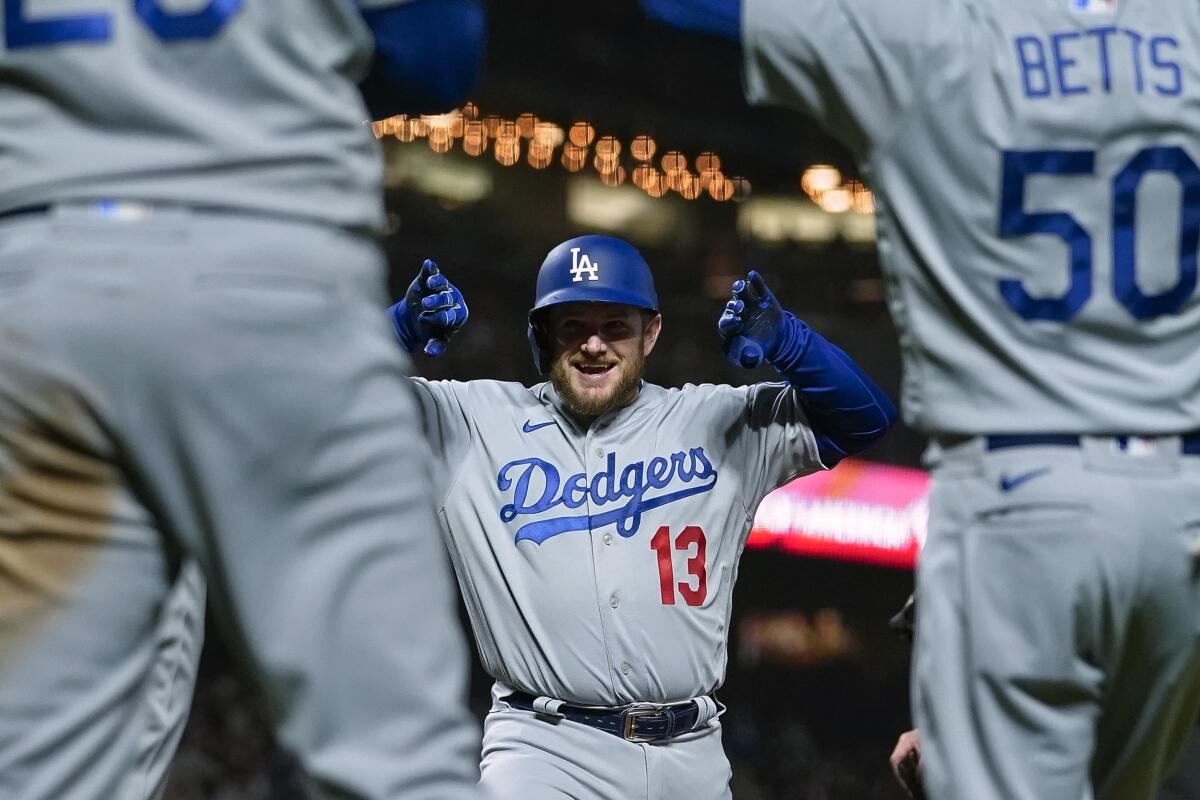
[
  {"x": 575, "y": 492},
  {"x": 1135, "y": 41},
  {"x": 168, "y": 26},
  {"x": 1062, "y": 62},
  {"x": 21, "y": 32},
  {"x": 1161, "y": 62},
  {"x": 690, "y": 470},
  {"x": 657, "y": 476},
  {"x": 173, "y": 27},
  {"x": 1102, "y": 35},
  {"x": 1032, "y": 56},
  {"x": 1058, "y": 66}
]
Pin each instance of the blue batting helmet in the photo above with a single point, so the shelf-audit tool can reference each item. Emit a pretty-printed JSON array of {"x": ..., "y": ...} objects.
[{"x": 588, "y": 269}]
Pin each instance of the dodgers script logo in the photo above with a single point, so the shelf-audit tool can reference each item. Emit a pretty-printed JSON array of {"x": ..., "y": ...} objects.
[
  {"x": 689, "y": 470},
  {"x": 579, "y": 266}
]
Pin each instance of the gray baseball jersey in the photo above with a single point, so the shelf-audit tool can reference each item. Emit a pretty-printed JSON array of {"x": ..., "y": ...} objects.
[
  {"x": 194, "y": 378},
  {"x": 147, "y": 101},
  {"x": 598, "y": 563},
  {"x": 1037, "y": 170},
  {"x": 1036, "y": 167}
]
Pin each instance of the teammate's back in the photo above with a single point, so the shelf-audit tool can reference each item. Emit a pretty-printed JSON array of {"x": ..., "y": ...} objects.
[
  {"x": 237, "y": 104},
  {"x": 197, "y": 392},
  {"x": 1037, "y": 164}
]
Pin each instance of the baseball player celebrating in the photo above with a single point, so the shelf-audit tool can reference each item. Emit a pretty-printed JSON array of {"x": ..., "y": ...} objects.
[
  {"x": 1036, "y": 165},
  {"x": 595, "y": 520},
  {"x": 195, "y": 383}
]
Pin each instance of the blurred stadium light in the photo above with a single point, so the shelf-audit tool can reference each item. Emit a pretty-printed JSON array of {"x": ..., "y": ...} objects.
[
  {"x": 624, "y": 210},
  {"x": 776, "y": 219},
  {"x": 447, "y": 178}
]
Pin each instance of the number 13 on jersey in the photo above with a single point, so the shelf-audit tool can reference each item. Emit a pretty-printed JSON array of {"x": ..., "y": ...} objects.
[{"x": 690, "y": 542}]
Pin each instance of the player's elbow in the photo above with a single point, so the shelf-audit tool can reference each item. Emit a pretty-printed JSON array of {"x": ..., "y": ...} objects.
[
  {"x": 888, "y": 413},
  {"x": 841, "y": 441},
  {"x": 885, "y": 417},
  {"x": 427, "y": 56}
]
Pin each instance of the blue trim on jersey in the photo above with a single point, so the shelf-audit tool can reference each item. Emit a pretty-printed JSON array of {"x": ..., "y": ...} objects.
[
  {"x": 427, "y": 56},
  {"x": 717, "y": 17},
  {"x": 847, "y": 410}
]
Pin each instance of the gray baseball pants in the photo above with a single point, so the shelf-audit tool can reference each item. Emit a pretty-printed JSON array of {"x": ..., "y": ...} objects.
[{"x": 1058, "y": 619}]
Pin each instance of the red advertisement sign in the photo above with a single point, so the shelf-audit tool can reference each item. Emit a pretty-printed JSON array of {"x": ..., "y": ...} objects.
[{"x": 861, "y": 511}]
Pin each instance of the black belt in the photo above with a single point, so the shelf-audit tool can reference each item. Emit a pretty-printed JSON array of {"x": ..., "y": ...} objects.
[
  {"x": 635, "y": 724},
  {"x": 1190, "y": 441}
]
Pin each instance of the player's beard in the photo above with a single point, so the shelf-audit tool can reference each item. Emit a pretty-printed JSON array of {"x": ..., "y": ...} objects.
[{"x": 593, "y": 404}]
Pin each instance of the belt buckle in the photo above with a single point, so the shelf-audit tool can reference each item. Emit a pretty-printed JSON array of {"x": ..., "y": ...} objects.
[{"x": 631, "y": 716}]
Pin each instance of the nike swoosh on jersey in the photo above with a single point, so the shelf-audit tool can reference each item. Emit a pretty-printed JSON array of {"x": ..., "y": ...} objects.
[
  {"x": 1007, "y": 484},
  {"x": 529, "y": 427}
]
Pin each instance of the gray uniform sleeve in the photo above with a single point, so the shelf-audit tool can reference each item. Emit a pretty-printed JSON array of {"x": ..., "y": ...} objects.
[
  {"x": 855, "y": 65},
  {"x": 776, "y": 441},
  {"x": 445, "y": 411}
]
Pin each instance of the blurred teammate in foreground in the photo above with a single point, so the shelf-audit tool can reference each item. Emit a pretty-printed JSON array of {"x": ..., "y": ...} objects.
[
  {"x": 1036, "y": 165},
  {"x": 195, "y": 384}
]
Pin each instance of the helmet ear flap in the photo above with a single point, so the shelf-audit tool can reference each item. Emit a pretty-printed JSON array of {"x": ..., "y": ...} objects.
[{"x": 539, "y": 344}]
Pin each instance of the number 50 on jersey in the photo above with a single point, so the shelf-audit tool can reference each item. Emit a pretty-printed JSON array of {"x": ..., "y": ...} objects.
[{"x": 1174, "y": 161}]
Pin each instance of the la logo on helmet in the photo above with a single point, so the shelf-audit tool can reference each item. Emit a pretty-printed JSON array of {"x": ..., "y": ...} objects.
[{"x": 581, "y": 265}]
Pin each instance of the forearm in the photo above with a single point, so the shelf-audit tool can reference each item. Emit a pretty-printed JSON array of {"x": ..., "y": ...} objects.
[
  {"x": 717, "y": 17},
  {"x": 427, "y": 55},
  {"x": 846, "y": 409}
]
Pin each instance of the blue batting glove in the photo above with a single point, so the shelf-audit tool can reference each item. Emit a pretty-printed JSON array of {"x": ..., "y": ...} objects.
[
  {"x": 753, "y": 323},
  {"x": 433, "y": 310}
]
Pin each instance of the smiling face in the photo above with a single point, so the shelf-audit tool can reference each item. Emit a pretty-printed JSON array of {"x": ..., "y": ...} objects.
[{"x": 600, "y": 352}]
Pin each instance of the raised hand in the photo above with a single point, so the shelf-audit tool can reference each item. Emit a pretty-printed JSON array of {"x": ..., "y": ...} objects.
[
  {"x": 753, "y": 322},
  {"x": 433, "y": 310}
]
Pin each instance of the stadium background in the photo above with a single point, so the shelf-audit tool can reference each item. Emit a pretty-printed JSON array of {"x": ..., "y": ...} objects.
[{"x": 817, "y": 684}]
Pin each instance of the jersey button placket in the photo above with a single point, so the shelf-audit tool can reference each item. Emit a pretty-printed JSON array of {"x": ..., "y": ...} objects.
[{"x": 598, "y": 465}]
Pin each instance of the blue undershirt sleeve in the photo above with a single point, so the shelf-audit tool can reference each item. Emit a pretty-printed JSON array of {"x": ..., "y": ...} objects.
[
  {"x": 427, "y": 55},
  {"x": 847, "y": 410},
  {"x": 716, "y": 17}
]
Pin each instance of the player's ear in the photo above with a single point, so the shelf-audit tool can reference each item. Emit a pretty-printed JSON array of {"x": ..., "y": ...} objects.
[{"x": 653, "y": 327}]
